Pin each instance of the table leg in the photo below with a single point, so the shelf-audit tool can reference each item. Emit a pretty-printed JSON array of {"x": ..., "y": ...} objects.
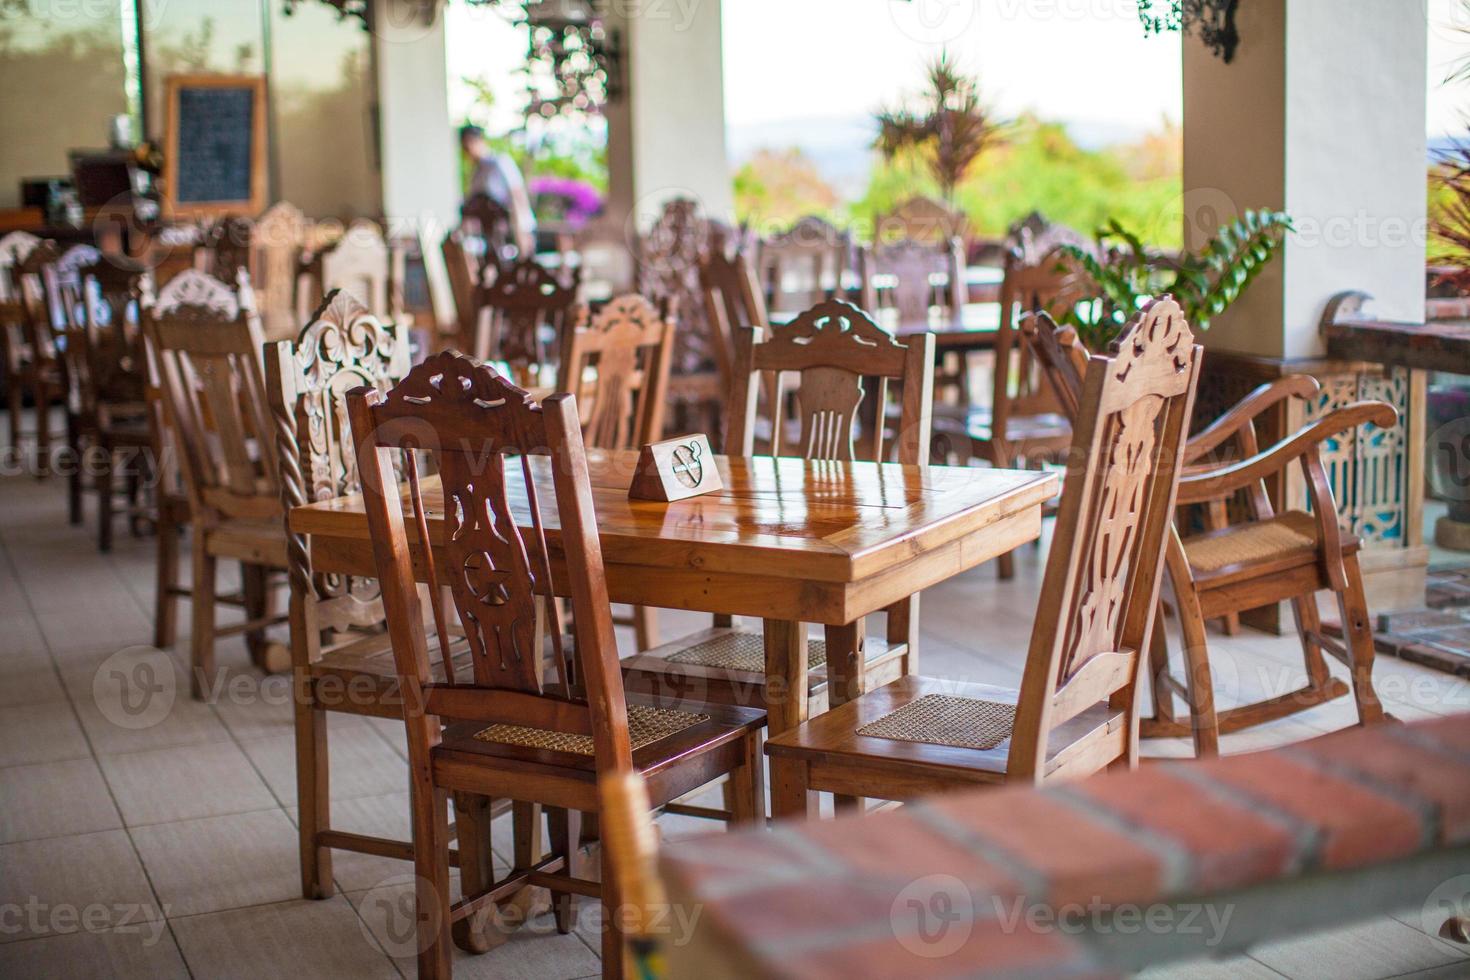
[
  {"x": 846, "y": 665},
  {"x": 786, "y": 668}
]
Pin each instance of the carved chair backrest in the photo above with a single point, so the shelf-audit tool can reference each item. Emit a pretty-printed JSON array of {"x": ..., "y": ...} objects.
[
  {"x": 835, "y": 348},
  {"x": 497, "y": 451},
  {"x": 358, "y": 262},
  {"x": 617, "y": 364},
  {"x": 910, "y": 277},
  {"x": 228, "y": 243},
  {"x": 669, "y": 257},
  {"x": 307, "y": 380},
  {"x": 59, "y": 276},
  {"x": 207, "y": 341},
  {"x": 1050, "y": 286},
  {"x": 732, "y": 301},
  {"x": 525, "y": 301},
  {"x": 41, "y": 321},
  {"x": 104, "y": 340},
  {"x": 15, "y": 248},
  {"x": 804, "y": 264},
  {"x": 1101, "y": 586},
  {"x": 275, "y": 256},
  {"x": 1060, "y": 355}
]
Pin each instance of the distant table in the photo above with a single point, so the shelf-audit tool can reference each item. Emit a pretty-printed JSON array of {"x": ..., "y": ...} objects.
[{"x": 789, "y": 541}]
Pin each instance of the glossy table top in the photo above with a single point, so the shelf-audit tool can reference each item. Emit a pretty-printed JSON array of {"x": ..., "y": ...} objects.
[{"x": 787, "y": 518}]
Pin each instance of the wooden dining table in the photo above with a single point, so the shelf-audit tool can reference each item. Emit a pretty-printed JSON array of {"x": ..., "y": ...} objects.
[{"x": 787, "y": 540}]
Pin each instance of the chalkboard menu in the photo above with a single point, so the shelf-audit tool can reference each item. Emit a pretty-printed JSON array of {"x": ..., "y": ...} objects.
[{"x": 214, "y": 148}]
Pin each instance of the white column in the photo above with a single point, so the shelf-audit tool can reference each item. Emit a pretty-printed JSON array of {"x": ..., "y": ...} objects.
[
  {"x": 417, "y": 146},
  {"x": 666, "y": 133},
  {"x": 1321, "y": 114}
]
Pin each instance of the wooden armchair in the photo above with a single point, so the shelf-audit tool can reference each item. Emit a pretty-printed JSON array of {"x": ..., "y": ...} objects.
[
  {"x": 1265, "y": 558},
  {"x": 529, "y": 311},
  {"x": 837, "y": 351},
  {"x": 207, "y": 345},
  {"x": 97, "y": 300},
  {"x": 1077, "y": 709},
  {"x": 805, "y": 264},
  {"x": 513, "y": 731}
]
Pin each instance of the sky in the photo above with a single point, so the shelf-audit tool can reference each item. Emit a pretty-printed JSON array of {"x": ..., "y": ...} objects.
[{"x": 1085, "y": 62}]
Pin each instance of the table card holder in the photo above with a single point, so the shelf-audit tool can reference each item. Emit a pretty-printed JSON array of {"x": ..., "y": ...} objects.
[{"x": 675, "y": 469}]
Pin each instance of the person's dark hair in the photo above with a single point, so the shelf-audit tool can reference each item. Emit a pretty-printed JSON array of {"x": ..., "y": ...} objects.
[{"x": 470, "y": 131}]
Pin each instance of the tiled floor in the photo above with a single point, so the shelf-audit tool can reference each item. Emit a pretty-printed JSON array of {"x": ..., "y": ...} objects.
[{"x": 156, "y": 838}]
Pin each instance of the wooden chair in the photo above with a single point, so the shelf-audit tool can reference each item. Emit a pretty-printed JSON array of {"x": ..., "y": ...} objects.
[
  {"x": 15, "y": 248},
  {"x": 35, "y": 361},
  {"x": 913, "y": 277},
  {"x": 1265, "y": 558},
  {"x": 1076, "y": 711},
  {"x": 837, "y": 350},
  {"x": 276, "y": 243},
  {"x": 1024, "y": 424},
  {"x": 732, "y": 301},
  {"x": 107, "y": 413},
  {"x": 358, "y": 262},
  {"x": 464, "y": 270},
  {"x": 514, "y": 732},
  {"x": 341, "y": 656},
  {"x": 805, "y": 264},
  {"x": 529, "y": 310},
  {"x": 208, "y": 348},
  {"x": 618, "y": 367}
]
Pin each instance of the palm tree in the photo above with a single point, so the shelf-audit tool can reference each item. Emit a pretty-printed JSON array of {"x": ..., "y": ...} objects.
[{"x": 951, "y": 128}]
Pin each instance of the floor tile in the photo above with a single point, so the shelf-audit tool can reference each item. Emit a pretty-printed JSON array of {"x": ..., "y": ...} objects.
[
  {"x": 46, "y": 732},
  {"x": 29, "y": 681},
  {"x": 54, "y": 799},
  {"x": 1372, "y": 950},
  {"x": 56, "y": 881},
  {"x": 144, "y": 952},
  {"x": 184, "y": 783},
  {"x": 220, "y": 863},
  {"x": 137, "y": 698},
  {"x": 296, "y": 939},
  {"x": 1234, "y": 968},
  {"x": 362, "y": 764},
  {"x": 253, "y": 704}
]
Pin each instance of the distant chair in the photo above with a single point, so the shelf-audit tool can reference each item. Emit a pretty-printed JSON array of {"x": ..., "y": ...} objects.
[
  {"x": 526, "y": 310},
  {"x": 276, "y": 243},
  {"x": 358, "y": 262},
  {"x": 732, "y": 302},
  {"x": 34, "y": 356},
  {"x": 207, "y": 343},
  {"x": 911, "y": 278},
  {"x": 15, "y": 248},
  {"x": 921, "y": 219},
  {"x": 809, "y": 262}
]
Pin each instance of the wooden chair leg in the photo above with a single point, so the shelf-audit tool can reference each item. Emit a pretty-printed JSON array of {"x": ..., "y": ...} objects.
[
  {"x": 255, "y": 589},
  {"x": 614, "y": 945},
  {"x": 1158, "y": 666},
  {"x": 104, "y": 500},
  {"x": 201, "y": 644},
  {"x": 565, "y": 830},
  {"x": 476, "y": 933},
  {"x": 165, "y": 602},
  {"x": 1204, "y": 721},
  {"x": 1217, "y": 516},
  {"x": 431, "y": 882},
  {"x": 313, "y": 798},
  {"x": 722, "y": 621},
  {"x": 74, "y": 474},
  {"x": 1309, "y": 628},
  {"x": 747, "y": 785},
  {"x": 790, "y": 796},
  {"x": 846, "y": 659},
  {"x": 1358, "y": 632},
  {"x": 645, "y": 626}
]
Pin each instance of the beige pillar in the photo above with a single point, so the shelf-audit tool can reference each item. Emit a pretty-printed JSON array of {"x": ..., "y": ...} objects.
[
  {"x": 666, "y": 133},
  {"x": 1321, "y": 114},
  {"x": 417, "y": 147}
]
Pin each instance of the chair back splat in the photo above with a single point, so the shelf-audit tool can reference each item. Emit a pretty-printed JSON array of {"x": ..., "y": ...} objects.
[
  {"x": 482, "y": 433},
  {"x": 1101, "y": 585}
]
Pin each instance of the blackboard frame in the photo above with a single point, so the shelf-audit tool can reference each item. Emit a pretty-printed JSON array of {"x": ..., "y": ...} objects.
[{"x": 173, "y": 86}]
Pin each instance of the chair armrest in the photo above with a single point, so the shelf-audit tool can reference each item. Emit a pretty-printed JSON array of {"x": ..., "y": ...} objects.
[
  {"x": 1245, "y": 411},
  {"x": 1215, "y": 483}
]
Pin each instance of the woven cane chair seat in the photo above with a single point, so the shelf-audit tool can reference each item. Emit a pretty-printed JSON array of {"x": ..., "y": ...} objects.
[
  {"x": 741, "y": 650},
  {"x": 1251, "y": 550},
  {"x": 646, "y": 724},
  {"x": 964, "y": 723}
]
